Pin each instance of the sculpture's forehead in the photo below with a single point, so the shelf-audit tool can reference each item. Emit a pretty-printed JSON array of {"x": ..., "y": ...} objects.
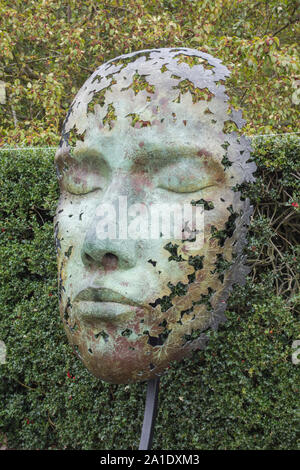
[
  {"x": 118, "y": 83},
  {"x": 158, "y": 96}
]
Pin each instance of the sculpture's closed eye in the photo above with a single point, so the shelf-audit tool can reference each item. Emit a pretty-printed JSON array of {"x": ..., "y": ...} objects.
[
  {"x": 186, "y": 189},
  {"x": 85, "y": 175},
  {"x": 79, "y": 181},
  {"x": 185, "y": 177}
]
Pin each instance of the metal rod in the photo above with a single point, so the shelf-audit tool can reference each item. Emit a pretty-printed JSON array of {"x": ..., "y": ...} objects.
[{"x": 150, "y": 414}]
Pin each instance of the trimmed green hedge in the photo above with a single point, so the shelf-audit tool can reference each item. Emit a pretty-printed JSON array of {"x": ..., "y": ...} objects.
[{"x": 240, "y": 393}]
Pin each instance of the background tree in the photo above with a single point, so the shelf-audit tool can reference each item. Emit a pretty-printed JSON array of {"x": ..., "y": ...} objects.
[{"x": 48, "y": 50}]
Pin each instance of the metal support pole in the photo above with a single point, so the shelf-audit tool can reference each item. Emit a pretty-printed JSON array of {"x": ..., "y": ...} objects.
[{"x": 150, "y": 414}]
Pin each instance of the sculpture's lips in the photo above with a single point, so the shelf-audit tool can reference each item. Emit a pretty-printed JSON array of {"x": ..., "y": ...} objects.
[
  {"x": 103, "y": 304},
  {"x": 94, "y": 294}
]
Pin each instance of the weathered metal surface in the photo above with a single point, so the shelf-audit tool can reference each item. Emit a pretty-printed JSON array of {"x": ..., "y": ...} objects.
[
  {"x": 150, "y": 414},
  {"x": 149, "y": 126},
  {"x": 2, "y": 352}
]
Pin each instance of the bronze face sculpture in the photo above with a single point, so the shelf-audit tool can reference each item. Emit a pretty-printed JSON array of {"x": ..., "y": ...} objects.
[{"x": 148, "y": 128}]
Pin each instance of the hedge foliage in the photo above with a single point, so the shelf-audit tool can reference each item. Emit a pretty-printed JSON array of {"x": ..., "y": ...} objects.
[{"x": 240, "y": 393}]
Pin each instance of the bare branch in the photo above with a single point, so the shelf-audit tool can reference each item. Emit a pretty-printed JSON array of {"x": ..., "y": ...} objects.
[
  {"x": 287, "y": 25},
  {"x": 14, "y": 115}
]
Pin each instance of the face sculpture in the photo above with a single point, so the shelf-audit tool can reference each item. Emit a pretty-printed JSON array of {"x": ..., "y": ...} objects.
[{"x": 148, "y": 128}]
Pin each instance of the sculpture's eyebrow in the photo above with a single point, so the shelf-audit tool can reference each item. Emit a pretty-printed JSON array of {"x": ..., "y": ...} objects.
[
  {"x": 155, "y": 158},
  {"x": 63, "y": 157}
]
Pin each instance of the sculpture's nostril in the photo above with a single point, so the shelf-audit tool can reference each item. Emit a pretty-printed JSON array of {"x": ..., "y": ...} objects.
[
  {"x": 88, "y": 258},
  {"x": 109, "y": 262}
]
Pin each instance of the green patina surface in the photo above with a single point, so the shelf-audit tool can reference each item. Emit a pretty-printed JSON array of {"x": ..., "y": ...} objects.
[{"x": 150, "y": 128}]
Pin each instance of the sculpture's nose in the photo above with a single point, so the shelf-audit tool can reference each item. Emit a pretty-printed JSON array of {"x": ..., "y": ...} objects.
[
  {"x": 108, "y": 254},
  {"x": 107, "y": 244}
]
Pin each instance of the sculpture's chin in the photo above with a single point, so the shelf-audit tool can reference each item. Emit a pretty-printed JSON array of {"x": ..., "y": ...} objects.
[
  {"x": 122, "y": 366},
  {"x": 126, "y": 361},
  {"x": 134, "y": 351},
  {"x": 114, "y": 375}
]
